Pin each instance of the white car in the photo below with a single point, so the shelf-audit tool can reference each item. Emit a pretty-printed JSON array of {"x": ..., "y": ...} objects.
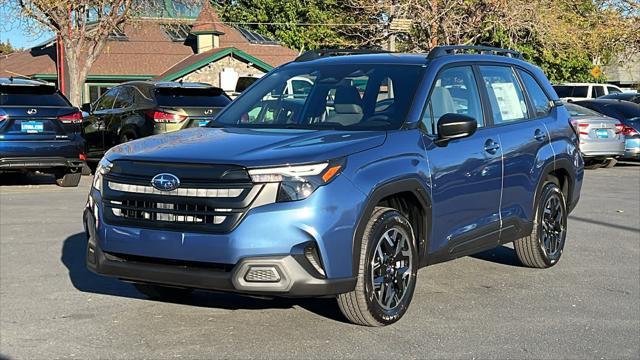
[{"x": 584, "y": 91}]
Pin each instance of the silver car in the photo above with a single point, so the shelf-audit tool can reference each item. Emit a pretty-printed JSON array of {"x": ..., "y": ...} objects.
[{"x": 601, "y": 138}]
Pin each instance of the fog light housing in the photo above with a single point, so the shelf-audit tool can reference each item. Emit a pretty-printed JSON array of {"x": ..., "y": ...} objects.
[{"x": 262, "y": 274}]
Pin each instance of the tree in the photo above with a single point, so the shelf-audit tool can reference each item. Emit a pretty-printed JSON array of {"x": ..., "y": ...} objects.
[
  {"x": 6, "y": 48},
  {"x": 82, "y": 27},
  {"x": 299, "y": 24}
]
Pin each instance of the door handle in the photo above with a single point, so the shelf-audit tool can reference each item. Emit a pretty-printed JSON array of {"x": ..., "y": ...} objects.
[
  {"x": 539, "y": 135},
  {"x": 491, "y": 146}
]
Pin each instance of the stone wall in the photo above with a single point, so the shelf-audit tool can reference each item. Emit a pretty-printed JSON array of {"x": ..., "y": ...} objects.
[{"x": 211, "y": 72}]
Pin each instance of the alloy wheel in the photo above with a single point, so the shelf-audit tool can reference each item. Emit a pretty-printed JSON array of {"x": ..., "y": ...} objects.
[
  {"x": 553, "y": 226},
  {"x": 391, "y": 268}
]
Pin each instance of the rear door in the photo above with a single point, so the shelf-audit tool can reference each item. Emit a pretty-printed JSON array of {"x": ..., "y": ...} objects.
[
  {"x": 199, "y": 104},
  {"x": 524, "y": 139},
  {"x": 32, "y": 122}
]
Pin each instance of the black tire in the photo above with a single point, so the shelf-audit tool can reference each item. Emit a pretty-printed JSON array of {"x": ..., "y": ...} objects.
[
  {"x": 362, "y": 305},
  {"x": 128, "y": 135},
  {"x": 610, "y": 163},
  {"x": 68, "y": 179},
  {"x": 159, "y": 292},
  {"x": 533, "y": 250}
]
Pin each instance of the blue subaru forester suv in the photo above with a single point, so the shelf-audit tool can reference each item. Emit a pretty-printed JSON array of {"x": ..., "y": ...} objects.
[{"x": 385, "y": 164}]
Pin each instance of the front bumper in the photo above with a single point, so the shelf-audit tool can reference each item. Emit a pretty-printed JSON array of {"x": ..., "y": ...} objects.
[
  {"x": 18, "y": 163},
  {"x": 292, "y": 278}
]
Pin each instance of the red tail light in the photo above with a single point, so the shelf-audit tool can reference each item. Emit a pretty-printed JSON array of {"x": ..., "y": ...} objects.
[
  {"x": 619, "y": 128},
  {"x": 581, "y": 127},
  {"x": 629, "y": 131},
  {"x": 82, "y": 157},
  {"x": 73, "y": 118},
  {"x": 164, "y": 117}
]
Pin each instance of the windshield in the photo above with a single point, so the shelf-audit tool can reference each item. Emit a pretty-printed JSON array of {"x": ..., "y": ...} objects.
[
  {"x": 576, "y": 110},
  {"x": 349, "y": 97}
]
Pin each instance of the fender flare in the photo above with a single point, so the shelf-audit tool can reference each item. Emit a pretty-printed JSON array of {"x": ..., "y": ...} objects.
[
  {"x": 410, "y": 184},
  {"x": 558, "y": 164}
]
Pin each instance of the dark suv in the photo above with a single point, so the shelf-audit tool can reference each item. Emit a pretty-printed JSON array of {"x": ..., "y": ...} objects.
[
  {"x": 388, "y": 163},
  {"x": 141, "y": 108},
  {"x": 39, "y": 131}
]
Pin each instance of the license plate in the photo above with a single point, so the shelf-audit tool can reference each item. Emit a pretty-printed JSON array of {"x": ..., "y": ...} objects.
[
  {"x": 602, "y": 133},
  {"x": 32, "y": 127},
  {"x": 202, "y": 123}
]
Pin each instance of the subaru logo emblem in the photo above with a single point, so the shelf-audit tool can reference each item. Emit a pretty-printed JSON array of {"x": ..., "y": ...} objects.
[
  {"x": 165, "y": 182},
  {"x": 32, "y": 111},
  {"x": 208, "y": 112}
]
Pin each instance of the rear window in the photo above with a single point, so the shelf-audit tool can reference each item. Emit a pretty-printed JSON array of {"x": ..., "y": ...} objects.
[
  {"x": 627, "y": 111},
  {"x": 577, "y": 110},
  {"x": 191, "y": 97},
  {"x": 31, "y": 96},
  {"x": 565, "y": 91}
]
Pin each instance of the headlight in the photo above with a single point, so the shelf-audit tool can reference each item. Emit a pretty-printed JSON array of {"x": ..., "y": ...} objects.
[
  {"x": 300, "y": 181},
  {"x": 104, "y": 166}
]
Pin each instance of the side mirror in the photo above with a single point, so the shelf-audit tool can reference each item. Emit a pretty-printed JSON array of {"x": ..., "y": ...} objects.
[
  {"x": 86, "y": 107},
  {"x": 455, "y": 126}
]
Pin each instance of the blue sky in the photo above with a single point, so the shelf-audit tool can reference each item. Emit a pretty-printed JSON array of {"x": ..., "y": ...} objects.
[{"x": 19, "y": 38}]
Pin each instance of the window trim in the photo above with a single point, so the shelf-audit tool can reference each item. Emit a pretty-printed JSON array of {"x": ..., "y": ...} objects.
[
  {"x": 481, "y": 95},
  {"x": 533, "y": 107}
]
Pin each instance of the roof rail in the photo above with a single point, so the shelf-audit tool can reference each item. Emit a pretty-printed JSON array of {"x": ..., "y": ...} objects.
[
  {"x": 320, "y": 53},
  {"x": 440, "y": 51}
]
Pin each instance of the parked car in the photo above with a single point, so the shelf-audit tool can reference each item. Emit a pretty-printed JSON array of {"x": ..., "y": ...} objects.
[
  {"x": 601, "y": 138},
  {"x": 634, "y": 97},
  {"x": 628, "y": 113},
  {"x": 141, "y": 108},
  {"x": 39, "y": 131},
  {"x": 582, "y": 91},
  {"x": 378, "y": 171}
]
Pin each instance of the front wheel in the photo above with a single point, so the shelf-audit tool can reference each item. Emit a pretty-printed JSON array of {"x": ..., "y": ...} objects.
[
  {"x": 387, "y": 271},
  {"x": 543, "y": 248}
]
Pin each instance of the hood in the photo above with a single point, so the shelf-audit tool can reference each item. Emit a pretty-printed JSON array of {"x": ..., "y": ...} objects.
[{"x": 248, "y": 147}]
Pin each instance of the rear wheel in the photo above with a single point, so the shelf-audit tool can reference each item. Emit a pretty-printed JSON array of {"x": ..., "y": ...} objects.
[
  {"x": 68, "y": 178},
  {"x": 159, "y": 292},
  {"x": 127, "y": 136},
  {"x": 543, "y": 248},
  {"x": 386, "y": 273}
]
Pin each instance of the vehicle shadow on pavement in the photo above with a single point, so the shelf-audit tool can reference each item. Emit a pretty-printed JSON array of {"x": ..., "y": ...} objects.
[
  {"x": 500, "y": 255},
  {"x": 73, "y": 257},
  {"x": 13, "y": 179}
]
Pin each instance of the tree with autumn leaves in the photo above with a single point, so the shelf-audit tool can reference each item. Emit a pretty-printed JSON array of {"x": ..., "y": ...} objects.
[{"x": 565, "y": 37}]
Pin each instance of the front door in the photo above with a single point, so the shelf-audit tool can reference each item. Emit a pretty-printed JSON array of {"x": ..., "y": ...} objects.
[{"x": 466, "y": 174}]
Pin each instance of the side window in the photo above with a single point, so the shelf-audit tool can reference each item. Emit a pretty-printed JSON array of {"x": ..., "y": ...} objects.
[
  {"x": 505, "y": 95},
  {"x": 301, "y": 87},
  {"x": 455, "y": 90},
  {"x": 598, "y": 91},
  {"x": 124, "y": 99},
  {"x": 613, "y": 90},
  {"x": 106, "y": 101},
  {"x": 538, "y": 97}
]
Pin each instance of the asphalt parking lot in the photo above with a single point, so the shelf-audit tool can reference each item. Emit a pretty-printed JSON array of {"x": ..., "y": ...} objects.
[{"x": 485, "y": 306}]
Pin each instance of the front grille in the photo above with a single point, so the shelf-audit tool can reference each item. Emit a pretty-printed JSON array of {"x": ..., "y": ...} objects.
[{"x": 213, "y": 205}]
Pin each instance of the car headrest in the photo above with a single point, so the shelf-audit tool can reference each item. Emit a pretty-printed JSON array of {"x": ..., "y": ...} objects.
[{"x": 347, "y": 100}]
